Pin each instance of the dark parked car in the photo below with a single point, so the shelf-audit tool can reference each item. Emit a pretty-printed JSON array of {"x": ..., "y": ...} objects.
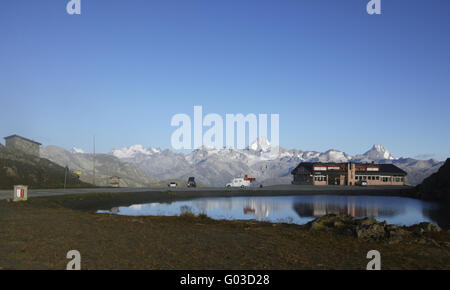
[
  {"x": 361, "y": 183},
  {"x": 191, "y": 182}
]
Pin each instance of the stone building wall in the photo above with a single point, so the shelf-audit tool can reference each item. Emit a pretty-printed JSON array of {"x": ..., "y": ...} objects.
[{"x": 385, "y": 180}]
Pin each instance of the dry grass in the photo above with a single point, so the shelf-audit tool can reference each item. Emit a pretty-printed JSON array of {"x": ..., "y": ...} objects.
[{"x": 38, "y": 234}]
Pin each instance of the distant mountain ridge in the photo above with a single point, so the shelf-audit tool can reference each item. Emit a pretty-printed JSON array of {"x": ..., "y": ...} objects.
[
  {"x": 437, "y": 185},
  {"x": 216, "y": 167},
  {"x": 106, "y": 166}
]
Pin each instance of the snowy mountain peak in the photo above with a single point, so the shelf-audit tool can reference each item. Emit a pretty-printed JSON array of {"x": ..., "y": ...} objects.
[
  {"x": 260, "y": 144},
  {"x": 378, "y": 152},
  {"x": 333, "y": 155},
  {"x": 75, "y": 150},
  {"x": 132, "y": 151},
  {"x": 217, "y": 166}
]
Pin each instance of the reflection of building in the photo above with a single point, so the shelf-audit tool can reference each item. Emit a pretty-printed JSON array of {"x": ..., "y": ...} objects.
[
  {"x": 348, "y": 174},
  {"x": 22, "y": 144},
  {"x": 358, "y": 211},
  {"x": 248, "y": 210},
  {"x": 260, "y": 209},
  {"x": 321, "y": 208}
]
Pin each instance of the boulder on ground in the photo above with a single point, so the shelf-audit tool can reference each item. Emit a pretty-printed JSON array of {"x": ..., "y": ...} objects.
[
  {"x": 368, "y": 221},
  {"x": 369, "y": 229},
  {"x": 332, "y": 222},
  {"x": 425, "y": 228},
  {"x": 372, "y": 231},
  {"x": 397, "y": 234}
]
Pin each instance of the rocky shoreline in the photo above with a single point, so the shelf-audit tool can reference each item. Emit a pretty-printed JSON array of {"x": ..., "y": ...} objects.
[{"x": 369, "y": 229}]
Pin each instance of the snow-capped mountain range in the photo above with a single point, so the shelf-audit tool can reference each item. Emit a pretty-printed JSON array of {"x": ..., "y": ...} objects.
[
  {"x": 260, "y": 150},
  {"x": 216, "y": 167},
  {"x": 76, "y": 150},
  {"x": 129, "y": 152}
]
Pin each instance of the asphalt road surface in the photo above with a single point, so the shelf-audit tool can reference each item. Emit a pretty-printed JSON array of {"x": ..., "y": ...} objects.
[{"x": 285, "y": 189}]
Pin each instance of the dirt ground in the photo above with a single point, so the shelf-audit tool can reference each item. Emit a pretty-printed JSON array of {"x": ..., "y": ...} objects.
[{"x": 37, "y": 234}]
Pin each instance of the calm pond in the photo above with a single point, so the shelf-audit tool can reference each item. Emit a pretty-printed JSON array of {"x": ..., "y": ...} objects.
[{"x": 299, "y": 209}]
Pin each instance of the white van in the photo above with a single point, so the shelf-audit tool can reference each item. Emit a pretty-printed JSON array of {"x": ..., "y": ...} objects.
[
  {"x": 241, "y": 182},
  {"x": 238, "y": 182}
]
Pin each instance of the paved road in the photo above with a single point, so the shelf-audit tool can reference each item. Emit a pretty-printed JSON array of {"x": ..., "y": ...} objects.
[{"x": 285, "y": 189}]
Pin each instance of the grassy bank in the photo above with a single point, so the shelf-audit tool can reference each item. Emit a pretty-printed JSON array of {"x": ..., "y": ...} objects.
[{"x": 40, "y": 232}]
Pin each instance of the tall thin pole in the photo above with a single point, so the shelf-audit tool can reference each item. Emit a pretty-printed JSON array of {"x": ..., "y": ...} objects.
[
  {"x": 93, "y": 168},
  {"x": 65, "y": 177}
]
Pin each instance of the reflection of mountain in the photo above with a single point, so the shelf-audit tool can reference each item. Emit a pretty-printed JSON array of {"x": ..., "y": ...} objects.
[
  {"x": 321, "y": 208},
  {"x": 307, "y": 207},
  {"x": 206, "y": 204},
  {"x": 302, "y": 209}
]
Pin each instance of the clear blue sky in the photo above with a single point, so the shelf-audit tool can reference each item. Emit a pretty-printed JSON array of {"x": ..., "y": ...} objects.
[{"x": 338, "y": 77}]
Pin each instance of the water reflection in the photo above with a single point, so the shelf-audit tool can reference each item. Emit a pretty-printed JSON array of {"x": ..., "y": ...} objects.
[
  {"x": 357, "y": 207},
  {"x": 300, "y": 209}
]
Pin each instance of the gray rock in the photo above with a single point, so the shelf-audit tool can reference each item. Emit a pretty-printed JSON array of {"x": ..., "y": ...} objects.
[
  {"x": 375, "y": 231},
  {"x": 392, "y": 227},
  {"x": 368, "y": 229},
  {"x": 338, "y": 224},
  {"x": 328, "y": 222},
  {"x": 397, "y": 234},
  {"x": 342, "y": 224},
  {"x": 368, "y": 221},
  {"x": 425, "y": 228},
  {"x": 429, "y": 227}
]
